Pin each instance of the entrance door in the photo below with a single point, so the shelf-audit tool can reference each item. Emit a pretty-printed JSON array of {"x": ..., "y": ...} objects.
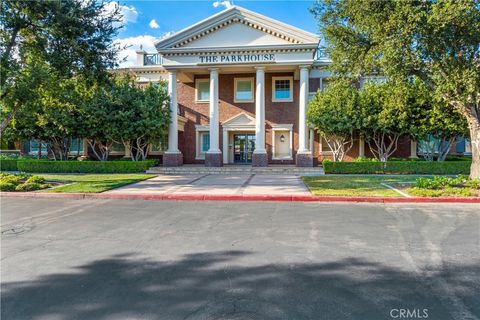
[{"x": 243, "y": 146}]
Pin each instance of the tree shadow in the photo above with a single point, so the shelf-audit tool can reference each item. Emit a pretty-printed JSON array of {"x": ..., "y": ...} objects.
[{"x": 229, "y": 285}]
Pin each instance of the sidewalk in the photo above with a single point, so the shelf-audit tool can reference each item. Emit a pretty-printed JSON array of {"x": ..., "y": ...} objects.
[{"x": 237, "y": 184}]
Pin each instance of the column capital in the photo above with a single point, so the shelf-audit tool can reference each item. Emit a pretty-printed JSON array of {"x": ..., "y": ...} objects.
[
  {"x": 213, "y": 69},
  {"x": 303, "y": 67},
  {"x": 172, "y": 71},
  {"x": 262, "y": 68}
]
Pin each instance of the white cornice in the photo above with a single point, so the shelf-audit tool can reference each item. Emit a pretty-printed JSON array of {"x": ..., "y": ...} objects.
[
  {"x": 240, "y": 49},
  {"x": 237, "y": 15}
]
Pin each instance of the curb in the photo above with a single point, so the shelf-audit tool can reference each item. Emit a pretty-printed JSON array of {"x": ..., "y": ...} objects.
[{"x": 210, "y": 197}]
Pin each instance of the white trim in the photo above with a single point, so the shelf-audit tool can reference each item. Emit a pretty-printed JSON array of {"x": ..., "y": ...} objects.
[
  {"x": 235, "y": 80},
  {"x": 291, "y": 89},
  {"x": 237, "y": 14},
  {"x": 320, "y": 144},
  {"x": 197, "y": 82},
  {"x": 282, "y": 127},
  {"x": 199, "y": 130}
]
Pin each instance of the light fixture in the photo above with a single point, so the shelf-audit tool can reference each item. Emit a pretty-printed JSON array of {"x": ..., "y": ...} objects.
[{"x": 282, "y": 138}]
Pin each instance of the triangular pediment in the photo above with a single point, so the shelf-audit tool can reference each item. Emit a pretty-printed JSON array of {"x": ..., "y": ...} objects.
[
  {"x": 241, "y": 119},
  {"x": 236, "y": 27},
  {"x": 236, "y": 34}
]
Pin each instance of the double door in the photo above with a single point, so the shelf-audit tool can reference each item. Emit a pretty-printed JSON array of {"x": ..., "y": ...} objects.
[{"x": 243, "y": 146}]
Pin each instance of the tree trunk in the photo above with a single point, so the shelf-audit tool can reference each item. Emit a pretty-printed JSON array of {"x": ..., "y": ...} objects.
[{"x": 474, "y": 126}]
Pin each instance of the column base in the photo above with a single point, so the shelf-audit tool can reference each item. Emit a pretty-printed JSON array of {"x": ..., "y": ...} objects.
[
  {"x": 172, "y": 159},
  {"x": 213, "y": 159},
  {"x": 259, "y": 159},
  {"x": 304, "y": 159}
]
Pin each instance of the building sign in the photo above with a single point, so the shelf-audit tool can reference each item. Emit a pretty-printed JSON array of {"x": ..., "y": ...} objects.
[{"x": 238, "y": 58}]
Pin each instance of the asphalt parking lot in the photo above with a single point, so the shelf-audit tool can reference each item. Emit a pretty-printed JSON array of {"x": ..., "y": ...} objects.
[{"x": 120, "y": 259}]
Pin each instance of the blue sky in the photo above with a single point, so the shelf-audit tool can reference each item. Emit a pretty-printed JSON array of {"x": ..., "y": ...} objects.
[{"x": 145, "y": 21}]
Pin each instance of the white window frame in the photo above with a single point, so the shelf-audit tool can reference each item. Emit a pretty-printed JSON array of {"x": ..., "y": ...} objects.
[
  {"x": 282, "y": 127},
  {"x": 291, "y": 89},
  {"x": 120, "y": 153},
  {"x": 158, "y": 152},
  {"x": 197, "y": 83},
  {"x": 320, "y": 143},
  {"x": 199, "y": 131},
  {"x": 252, "y": 80}
]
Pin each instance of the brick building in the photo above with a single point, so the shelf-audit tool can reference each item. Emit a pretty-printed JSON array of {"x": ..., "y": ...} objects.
[{"x": 239, "y": 84}]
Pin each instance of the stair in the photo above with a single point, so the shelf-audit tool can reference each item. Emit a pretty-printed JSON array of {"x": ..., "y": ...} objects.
[{"x": 230, "y": 169}]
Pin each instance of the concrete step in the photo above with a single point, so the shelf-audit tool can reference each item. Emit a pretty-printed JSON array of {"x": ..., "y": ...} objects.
[{"x": 274, "y": 170}]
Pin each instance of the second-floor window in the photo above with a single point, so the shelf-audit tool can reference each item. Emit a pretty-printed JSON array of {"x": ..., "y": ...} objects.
[
  {"x": 202, "y": 90},
  {"x": 282, "y": 89}
]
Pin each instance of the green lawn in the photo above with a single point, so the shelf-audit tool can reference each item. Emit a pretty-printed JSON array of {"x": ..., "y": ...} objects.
[
  {"x": 355, "y": 185},
  {"x": 92, "y": 183}
]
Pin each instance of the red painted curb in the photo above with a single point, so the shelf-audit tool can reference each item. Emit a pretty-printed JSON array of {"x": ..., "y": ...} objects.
[{"x": 219, "y": 197}]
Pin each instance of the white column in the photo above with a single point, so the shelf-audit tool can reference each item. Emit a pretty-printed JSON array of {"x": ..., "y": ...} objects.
[
  {"x": 302, "y": 120},
  {"x": 225, "y": 146},
  {"x": 361, "y": 147},
  {"x": 214, "y": 125},
  {"x": 413, "y": 149},
  {"x": 260, "y": 111},
  {"x": 173, "y": 128},
  {"x": 311, "y": 140}
]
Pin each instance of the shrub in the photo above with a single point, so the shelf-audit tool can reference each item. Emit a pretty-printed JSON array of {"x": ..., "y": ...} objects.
[
  {"x": 32, "y": 186},
  {"x": 10, "y": 178},
  {"x": 48, "y": 166},
  {"x": 35, "y": 179},
  {"x": 8, "y": 164},
  {"x": 474, "y": 183},
  {"x": 7, "y": 186},
  {"x": 397, "y": 167}
]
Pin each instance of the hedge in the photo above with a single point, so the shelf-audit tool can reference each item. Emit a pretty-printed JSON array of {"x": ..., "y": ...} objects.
[
  {"x": 50, "y": 166},
  {"x": 8, "y": 165},
  {"x": 398, "y": 167}
]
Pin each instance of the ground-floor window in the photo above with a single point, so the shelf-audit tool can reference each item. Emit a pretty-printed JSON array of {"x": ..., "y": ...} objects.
[
  {"x": 159, "y": 146},
  {"x": 202, "y": 141},
  {"x": 117, "y": 148},
  {"x": 37, "y": 147},
  {"x": 324, "y": 147},
  {"x": 76, "y": 146}
]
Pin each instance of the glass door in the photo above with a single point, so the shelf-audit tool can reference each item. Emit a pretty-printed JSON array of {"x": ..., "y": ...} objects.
[{"x": 243, "y": 146}]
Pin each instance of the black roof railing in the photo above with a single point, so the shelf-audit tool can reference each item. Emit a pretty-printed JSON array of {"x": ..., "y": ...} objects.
[{"x": 150, "y": 59}]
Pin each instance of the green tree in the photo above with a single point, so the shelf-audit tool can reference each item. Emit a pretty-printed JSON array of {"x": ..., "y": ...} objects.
[
  {"x": 74, "y": 38},
  {"x": 144, "y": 116},
  {"x": 49, "y": 113},
  {"x": 437, "y": 41},
  {"x": 333, "y": 113}
]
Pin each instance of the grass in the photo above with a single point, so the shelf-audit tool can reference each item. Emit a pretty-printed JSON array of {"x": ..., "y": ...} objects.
[
  {"x": 92, "y": 183},
  {"x": 369, "y": 186},
  {"x": 445, "y": 192}
]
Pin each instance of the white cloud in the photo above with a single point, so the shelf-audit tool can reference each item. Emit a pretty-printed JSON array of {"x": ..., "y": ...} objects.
[
  {"x": 226, "y": 3},
  {"x": 129, "y": 14},
  {"x": 133, "y": 44},
  {"x": 153, "y": 24}
]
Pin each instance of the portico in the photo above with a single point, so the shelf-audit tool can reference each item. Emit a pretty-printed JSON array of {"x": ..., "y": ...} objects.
[{"x": 235, "y": 73}]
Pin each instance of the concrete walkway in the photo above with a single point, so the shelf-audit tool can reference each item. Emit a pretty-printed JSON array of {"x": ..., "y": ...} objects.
[{"x": 238, "y": 184}]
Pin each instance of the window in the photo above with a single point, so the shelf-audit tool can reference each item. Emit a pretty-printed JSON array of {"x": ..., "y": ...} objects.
[
  {"x": 282, "y": 89},
  {"x": 35, "y": 147},
  {"x": 313, "y": 85},
  {"x": 76, "y": 146},
  {"x": 205, "y": 145},
  {"x": 159, "y": 146},
  {"x": 243, "y": 90},
  {"x": 202, "y": 90},
  {"x": 324, "y": 147},
  {"x": 325, "y": 83},
  {"x": 202, "y": 141},
  {"x": 117, "y": 148}
]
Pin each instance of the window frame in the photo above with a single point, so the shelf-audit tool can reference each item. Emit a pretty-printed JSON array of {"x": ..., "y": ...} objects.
[
  {"x": 290, "y": 79},
  {"x": 197, "y": 84},
  {"x": 200, "y": 130},
  {"x": 163, "y": 142},
  {"x": 252, "y": 88},
  {"x": 322, "y": 146}
]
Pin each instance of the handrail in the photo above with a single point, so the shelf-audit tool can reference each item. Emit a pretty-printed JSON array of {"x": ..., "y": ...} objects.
[{"x": 152, "y": 59}]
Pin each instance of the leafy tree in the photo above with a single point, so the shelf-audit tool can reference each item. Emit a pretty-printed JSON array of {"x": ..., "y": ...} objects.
[
  {"x": 123, "y": 112},
  {"x": 50, "y": 112},
  {"x": 144, "y": 115},
  {"x": 437, "y": 41},
  {"x": 74, "y": 38},
  {"x": 389, "y": 110},
  {"x": 333, "y": 112}
]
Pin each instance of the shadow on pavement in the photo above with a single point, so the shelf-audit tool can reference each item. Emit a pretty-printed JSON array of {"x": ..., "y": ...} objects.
[{"x": 225, "y": 285}]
